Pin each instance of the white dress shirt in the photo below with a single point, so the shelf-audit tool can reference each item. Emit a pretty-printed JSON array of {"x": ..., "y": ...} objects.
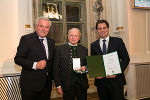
[{"x": 106, "y": 42}]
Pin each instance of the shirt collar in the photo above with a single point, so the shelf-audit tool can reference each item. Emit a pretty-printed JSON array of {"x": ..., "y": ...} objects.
[
  {"x": 107, "y": 38},
  {"x": 71, "y": 44},
  {"x": 42, "y": 38}
]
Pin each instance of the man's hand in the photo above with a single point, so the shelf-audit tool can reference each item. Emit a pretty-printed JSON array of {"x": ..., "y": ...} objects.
[
  {"x": 59, "y": 90},
  {"x": 41, "y": 64},
  {"x": 111, "y": 76},
  {"x": 83, "y": 68},
  {"x": 99, "y": 77}
]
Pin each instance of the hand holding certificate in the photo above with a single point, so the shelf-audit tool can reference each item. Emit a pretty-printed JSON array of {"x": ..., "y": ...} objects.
[{"x": 103, "y": 65}]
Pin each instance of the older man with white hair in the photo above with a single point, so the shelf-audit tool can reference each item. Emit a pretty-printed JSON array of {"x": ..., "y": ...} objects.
[
  {"x": 69, "y": 68},
  {"x": 35, "y": 56}
]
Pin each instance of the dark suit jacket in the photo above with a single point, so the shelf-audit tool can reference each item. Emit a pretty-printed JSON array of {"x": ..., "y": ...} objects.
[
  {"x": 115, "y": 44},
  {"x": 29, "y": 51},
  {"x": 63, "y": 66}
]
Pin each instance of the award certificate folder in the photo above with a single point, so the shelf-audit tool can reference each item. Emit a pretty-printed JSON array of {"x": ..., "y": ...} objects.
[{"x": 103, "y": 65}]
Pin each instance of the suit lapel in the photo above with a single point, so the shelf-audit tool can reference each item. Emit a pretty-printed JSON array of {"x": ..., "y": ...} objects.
[
  {"x": 66, "y": 47},
  {"x": 97, "y": 47},
  {"x": 39, "y": 45},
  {"x": 79, "y": 51},
  {"x": 110, "y": 45},
  {"x": 49, "y": 46},
  {"x": 66, "y": 50}
]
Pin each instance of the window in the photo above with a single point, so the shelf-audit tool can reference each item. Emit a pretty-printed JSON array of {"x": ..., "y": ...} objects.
[{"x": 64, "y": 15}]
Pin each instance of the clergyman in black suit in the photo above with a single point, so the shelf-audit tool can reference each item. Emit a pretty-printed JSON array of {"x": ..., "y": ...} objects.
[
  {"x": 110, "y": 87},
  {"x": 68, "y": 82},
  {"x": 35, "y": 56}
]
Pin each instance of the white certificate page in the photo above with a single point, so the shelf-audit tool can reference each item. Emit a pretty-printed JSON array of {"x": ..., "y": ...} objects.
[
  {"x": 76, "y": 63},
  {"x": 112, "y": 64}
]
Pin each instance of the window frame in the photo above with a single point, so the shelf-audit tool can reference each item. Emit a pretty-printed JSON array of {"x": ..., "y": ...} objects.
[{"x": 82, "y": 22}]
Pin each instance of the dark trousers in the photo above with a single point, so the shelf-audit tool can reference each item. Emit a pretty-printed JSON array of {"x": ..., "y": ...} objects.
[
  {"x": 110, "y": 89},
  {"x": 79, "y": 94},
  {"x": 44, "y": 94},
  {"x": 76, "y": 89}
]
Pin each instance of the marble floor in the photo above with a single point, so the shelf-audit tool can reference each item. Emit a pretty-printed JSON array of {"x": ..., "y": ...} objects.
[
  {"x": 91, "y": 96},
  {"x": 92, "y": 92}
]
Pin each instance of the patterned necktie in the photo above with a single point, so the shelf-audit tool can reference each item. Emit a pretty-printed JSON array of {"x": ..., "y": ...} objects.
[
  {"x": 104, "y": 47},
  {"x": 43, "y": 45}
]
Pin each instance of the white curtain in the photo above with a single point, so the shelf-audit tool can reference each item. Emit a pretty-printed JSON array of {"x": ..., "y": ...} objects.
[{"x": 34, "y": 11}]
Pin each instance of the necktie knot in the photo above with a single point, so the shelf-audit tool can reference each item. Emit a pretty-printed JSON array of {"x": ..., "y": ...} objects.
[
  {"x": 104, "y": 41},
  {"x": 41, "y": 40}
]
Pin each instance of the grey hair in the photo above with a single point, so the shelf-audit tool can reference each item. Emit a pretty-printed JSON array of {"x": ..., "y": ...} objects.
[
  {"x": 42, "y": 18},
  {"x": 74, "y": 29}
]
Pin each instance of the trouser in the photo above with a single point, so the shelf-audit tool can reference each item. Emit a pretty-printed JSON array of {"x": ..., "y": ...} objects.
[
  {"x": 76, "y": 89},
  {"x": 110, "y": 89},
  {"x": 79, "y": 94},
  {"x": 43, "y": 94}
]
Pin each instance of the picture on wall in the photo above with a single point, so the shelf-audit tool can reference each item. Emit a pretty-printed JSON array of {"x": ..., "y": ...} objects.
[{"x": 143, "y": 4}]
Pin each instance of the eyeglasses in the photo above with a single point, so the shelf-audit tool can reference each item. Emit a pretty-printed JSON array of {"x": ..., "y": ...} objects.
[
  {"x": 73, "y": 36},
  {"x": 103, "y": 28}
]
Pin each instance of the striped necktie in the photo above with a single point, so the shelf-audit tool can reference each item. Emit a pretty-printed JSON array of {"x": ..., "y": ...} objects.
[
  {"x": 104, "y": 47},
  {"x": 43, "y": 45}
]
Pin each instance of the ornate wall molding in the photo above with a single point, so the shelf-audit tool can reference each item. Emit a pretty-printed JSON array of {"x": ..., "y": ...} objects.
[
  {"x": 98, "y": 8},
  {"x": 147, "y": 40},
  {"x": 25, "y": 17}
]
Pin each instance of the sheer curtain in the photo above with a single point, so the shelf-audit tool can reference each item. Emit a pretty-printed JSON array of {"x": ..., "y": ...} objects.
[{"x": 34, "y": 11}]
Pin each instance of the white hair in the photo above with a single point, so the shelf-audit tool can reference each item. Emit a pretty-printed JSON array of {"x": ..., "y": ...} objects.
[
  {"x": 74, "y": 29},
  {"x": 42, "y": 18}
]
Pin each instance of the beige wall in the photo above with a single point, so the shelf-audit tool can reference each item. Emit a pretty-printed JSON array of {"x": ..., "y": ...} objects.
[
  {"x": 139, "y": 34},
  {"x": 9, "y": 34},
  {"x": 15, "y": 14}
]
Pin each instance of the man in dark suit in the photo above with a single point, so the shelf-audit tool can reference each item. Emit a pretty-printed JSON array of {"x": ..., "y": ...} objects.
[
  {"x": 35, "y": 56},
  {"x": 110, "y": 87},
  {"x": 72, "y": 84}
]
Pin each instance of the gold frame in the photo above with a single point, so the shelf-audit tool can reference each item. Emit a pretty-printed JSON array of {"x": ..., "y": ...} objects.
[{"x": 140, "y": 6}]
